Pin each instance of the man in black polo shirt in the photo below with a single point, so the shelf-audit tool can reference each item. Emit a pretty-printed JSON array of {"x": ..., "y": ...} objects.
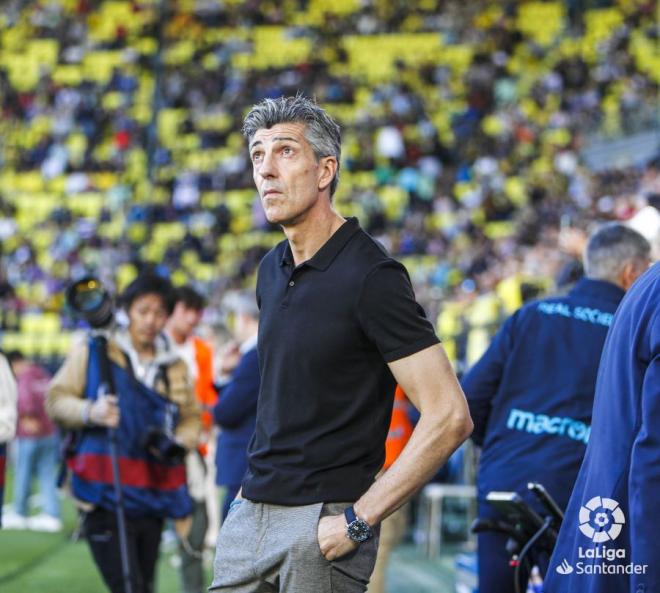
[{"x": 339, "y": 328}]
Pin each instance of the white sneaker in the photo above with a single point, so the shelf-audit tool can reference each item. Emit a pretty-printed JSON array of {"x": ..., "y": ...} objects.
[
  {"x": 45, "y": 523},
  {"x": 12, "y": 520}
]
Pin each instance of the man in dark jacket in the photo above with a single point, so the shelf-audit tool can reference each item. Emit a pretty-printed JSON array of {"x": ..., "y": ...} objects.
[
  {"x": 531, "y": 393},
  {"x": 609, "y": 538},
  {"x": 236, "y": 410}
]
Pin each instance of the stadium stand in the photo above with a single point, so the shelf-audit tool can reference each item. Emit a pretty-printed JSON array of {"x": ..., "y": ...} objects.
[{"x": 463, "y": 125}]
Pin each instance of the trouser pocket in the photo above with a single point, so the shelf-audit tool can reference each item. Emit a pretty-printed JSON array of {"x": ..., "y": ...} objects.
[{"x": 351, "y": 573}]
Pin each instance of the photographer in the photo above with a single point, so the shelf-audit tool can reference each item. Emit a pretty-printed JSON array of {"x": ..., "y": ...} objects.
[{"x": 153, "y": 415}]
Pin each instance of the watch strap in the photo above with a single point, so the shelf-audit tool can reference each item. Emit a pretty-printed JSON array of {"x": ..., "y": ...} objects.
[{"x": 349, "y": 513}]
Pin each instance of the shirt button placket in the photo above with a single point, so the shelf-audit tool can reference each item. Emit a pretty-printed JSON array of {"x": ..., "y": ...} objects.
[{"x": 290, "y": 284}]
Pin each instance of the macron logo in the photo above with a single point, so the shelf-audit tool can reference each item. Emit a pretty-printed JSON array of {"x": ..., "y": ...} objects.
[{"x": 564, "y": 567}]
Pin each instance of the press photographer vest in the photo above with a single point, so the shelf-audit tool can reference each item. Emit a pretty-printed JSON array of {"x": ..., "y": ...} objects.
[{"x": 150, "y": 487}]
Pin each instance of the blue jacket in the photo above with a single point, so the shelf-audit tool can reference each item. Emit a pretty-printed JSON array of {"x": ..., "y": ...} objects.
[
  {"x": 149, "y": 487},
  {"x": 531, "y": 393},
  {"x": 236, "y": 414},
  {"x": 622, "y": 462}
]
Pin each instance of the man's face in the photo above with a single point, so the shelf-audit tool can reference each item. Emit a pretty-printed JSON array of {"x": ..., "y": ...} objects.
[
  {"x": 288, "y": 177},
  {"x": 147, "y": 315},
  {"x": 184, "y": 320}
]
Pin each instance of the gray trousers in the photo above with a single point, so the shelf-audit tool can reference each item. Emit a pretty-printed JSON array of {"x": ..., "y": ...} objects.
[{"x": 265, "y": 548}]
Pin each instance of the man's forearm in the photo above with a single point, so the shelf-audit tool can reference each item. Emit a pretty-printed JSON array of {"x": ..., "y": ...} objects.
[{"x": 429, "y": 447}]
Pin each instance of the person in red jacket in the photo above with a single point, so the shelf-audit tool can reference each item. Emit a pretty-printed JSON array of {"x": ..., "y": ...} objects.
[{"x": 37, "y": 449}]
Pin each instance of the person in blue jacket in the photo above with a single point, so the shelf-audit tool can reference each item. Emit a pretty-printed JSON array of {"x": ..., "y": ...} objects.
[
  {"x": 236, "y": 410},
  {"x": 531, "y": 393},
  {"x": 608, "y": 542}
]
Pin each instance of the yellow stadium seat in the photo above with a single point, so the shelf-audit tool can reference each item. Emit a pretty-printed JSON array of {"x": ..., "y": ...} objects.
[
  {"x": 394, "y": 200},
  {"x": 168, "y": 232},
  {"x": 499, "y": 229},
  {"x": 452, "y": 351},
  {"x": 508, "y": 290},
  {"x": 485, "y": 311},
  {"x": 126, "y": 273},
  {"x": 449, "y": 322},
  {"x": 98, "y": 65},
  {"x": 542, "y": 21},
  {"x": 477, "y": 343}
]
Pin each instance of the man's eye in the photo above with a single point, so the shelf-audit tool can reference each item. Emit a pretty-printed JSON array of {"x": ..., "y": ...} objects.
[
  {"x": 287, "y": 150},
  {"x": 256, "y": 156}
]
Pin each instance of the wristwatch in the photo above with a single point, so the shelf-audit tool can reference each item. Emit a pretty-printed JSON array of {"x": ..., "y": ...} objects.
[{"x": 357, "y": 530}]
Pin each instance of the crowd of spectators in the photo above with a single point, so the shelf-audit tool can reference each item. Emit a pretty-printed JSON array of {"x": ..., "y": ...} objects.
[{"x": 463, "y": 126}]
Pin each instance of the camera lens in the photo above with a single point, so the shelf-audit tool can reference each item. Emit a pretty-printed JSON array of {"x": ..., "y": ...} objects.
[
  {"x": 88, "y": 299},
  {"x": 87, "y": 295}
]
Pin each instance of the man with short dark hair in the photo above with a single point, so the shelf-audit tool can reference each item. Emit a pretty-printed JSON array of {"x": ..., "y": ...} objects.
[
  {"x": 186, "y": 316},
  {"x": 155, "y": 416},
  {"x": 531, "y": 393},
  {"x": 339, "y": 327}
]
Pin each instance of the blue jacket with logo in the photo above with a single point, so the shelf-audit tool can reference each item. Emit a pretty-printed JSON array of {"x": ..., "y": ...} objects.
[
  {"x": 621, "y": 468},
  {"x": 531, "y": 394}
]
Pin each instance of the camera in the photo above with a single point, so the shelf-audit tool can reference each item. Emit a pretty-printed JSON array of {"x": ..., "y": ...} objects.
[
  {"x": 531, "y": 536},
  {"x": 163, "y": 447},
  {"x": 89, "y": 300}
]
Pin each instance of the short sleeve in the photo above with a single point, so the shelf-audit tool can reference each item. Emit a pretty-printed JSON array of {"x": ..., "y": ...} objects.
[{"x": 389, "y": 314}]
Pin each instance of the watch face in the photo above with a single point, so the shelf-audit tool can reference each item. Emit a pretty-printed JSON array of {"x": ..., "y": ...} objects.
[{"x": 359, "y": 531}]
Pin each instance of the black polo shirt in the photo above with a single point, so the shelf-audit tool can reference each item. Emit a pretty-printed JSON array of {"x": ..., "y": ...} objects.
[{"x": 327, "y": 330}]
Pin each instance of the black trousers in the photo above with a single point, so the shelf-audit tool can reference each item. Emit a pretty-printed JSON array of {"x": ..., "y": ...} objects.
[{"x": 143, "y": 535}]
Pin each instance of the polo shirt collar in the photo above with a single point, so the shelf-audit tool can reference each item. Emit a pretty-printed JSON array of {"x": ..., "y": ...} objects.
[
  {"x": 598, "y": 289},
  {"x": 329, "y": 250}
]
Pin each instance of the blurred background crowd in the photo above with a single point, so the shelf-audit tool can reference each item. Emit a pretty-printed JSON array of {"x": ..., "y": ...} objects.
[
  {"x": 472, "y": 135},
  {"x": 481, "y": 142}
]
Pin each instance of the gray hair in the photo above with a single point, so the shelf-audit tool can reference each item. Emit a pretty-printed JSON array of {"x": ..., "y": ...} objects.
[
  {"x": 610, "y": 248},
  {"x": 321, "y": 131}
]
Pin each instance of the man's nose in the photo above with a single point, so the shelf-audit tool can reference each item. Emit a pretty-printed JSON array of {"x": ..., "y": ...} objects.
[
  {"x": 267, "y": 167},
  {"x": 151, "y": 319}
]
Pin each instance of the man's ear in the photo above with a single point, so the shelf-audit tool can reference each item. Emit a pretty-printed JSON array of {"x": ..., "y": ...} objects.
[
  {"x": 327, "y": 171},
  {"x": 631, "y": 270}
]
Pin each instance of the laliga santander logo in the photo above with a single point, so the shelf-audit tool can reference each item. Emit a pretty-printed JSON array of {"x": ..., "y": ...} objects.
[{"x": 601, "y": 519}]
